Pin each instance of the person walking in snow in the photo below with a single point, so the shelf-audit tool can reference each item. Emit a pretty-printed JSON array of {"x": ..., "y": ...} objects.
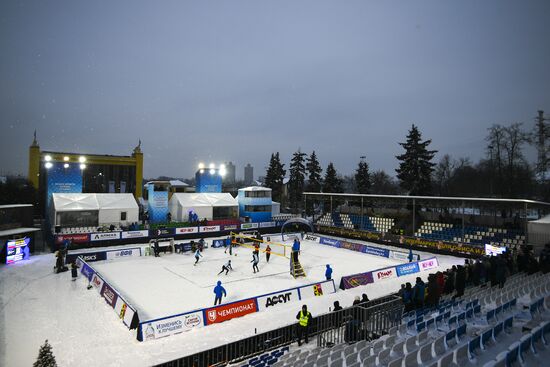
[
  {"x": 197, "y": 255},
  {"x": 255, "y": 261},
  {"x": 227, "y": 244},
  {"x": 226, "y": 267},
  {"x": 219, "y": 291}
]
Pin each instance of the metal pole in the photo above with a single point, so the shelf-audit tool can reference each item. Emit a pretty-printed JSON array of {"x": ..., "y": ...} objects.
[
  {"x": 414, "y": 216},
  {"x": 463, "y": 221}
]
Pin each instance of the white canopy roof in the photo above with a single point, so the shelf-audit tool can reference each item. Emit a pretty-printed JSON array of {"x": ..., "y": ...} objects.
[
  {"x": 79, "y": 202},
  {"x": 255, "y": 188},
  {"x": 204, "y": 199},
  {"x": 543, "y": 220}
]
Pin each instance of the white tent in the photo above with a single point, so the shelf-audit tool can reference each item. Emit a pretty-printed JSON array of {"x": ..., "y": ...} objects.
[
  {"x": 98, "y": 209},
  {"x": 538, "y": 231},
  {"x": 201, "y": 203}
]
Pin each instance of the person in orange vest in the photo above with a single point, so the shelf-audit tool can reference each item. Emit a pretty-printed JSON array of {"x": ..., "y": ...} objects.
[
  {"x": 257, "y": 248},
  {"x": 267, "y": 253}
]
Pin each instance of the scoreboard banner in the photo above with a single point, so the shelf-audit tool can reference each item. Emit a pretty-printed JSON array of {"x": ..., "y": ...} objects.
[{"x": 17, "y": 250}]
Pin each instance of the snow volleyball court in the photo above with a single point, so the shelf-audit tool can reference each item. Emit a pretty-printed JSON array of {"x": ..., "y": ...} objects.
[{"x": 171, "y": 284}]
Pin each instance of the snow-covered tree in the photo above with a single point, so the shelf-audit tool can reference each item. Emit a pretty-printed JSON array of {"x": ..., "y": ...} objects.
[{"x": 45, "y": 356}]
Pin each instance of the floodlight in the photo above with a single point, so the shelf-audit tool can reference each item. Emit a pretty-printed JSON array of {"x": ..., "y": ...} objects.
[
  {"x": 201, "y": 165},
  {"x": 211, "y": 166},
  {"x": 48, "y": 165},
  {"x": 201, "y": 171},
  {"x": 212, "y": 171},
  {"x": 83, "y": 166},
  {"x": 66, "y": 165},
  {"x": 48, "y": 158},
  {"x": 82, "y": 159}
]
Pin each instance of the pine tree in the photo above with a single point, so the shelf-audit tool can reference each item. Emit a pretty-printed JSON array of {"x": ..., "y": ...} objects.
[
  {"x": 415, "y": 169},
  {"x": 296, "y": 181},
  {"x": 314, "y": 171},
  {"x": 45, "y": 356},
  {"x": 274, "y": 177},
  {"x": 362, "y": 178},
  {"x": 332, "y": 182}
]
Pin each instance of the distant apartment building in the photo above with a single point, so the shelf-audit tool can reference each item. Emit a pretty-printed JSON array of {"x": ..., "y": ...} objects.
[{"x": 248, "y": 174}]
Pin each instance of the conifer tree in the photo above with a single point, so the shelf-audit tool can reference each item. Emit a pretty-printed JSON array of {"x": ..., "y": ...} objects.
[
  {"x": 274, "y": 177},
  {"x": 45, "y": 356},
  {"x": 362, "y": 178},
  {"x": 332, "y": 183},
  {"x": 296, "y": 181},
  {"x": 314, "y": 172}
]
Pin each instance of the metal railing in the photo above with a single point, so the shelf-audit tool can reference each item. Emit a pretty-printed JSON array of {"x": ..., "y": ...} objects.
[{"x": 374, "y": 319}]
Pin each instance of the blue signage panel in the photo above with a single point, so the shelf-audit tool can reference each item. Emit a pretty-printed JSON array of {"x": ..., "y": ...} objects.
[
  {"x": 64, "y": 180},
  {"x": 407, "y": 269},
  {"x": 330, "y": 242},
  {"x": 158, "y": 205},
  {"x": 377, "y": 251}
]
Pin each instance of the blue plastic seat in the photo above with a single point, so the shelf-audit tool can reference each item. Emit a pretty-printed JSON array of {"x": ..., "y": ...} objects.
[
  {"x": 461, "y": 332},
  {"x": 421, "y": 326},
  {"x": 487, "y": 339},
  {"x": 474, "y": 346}
]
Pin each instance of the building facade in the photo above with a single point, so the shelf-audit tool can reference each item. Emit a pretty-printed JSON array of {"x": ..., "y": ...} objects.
[{"x": 248, "y": 174}]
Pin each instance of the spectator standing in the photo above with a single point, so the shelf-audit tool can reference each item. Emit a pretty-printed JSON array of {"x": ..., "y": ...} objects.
[{"x": 304, "y": 320}]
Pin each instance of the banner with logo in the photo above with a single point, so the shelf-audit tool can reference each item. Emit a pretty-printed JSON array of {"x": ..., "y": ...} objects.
[
  {"x": 158, "y": 205},
  {"x": 87, "y": 271},
  {"x": 135, "y": 234},
  {"x": 218, "y": 243},
  {"x": 187, "y": 230},
  {"x": 329, "y": 241},
  {"x": 311, "y": 238},
  {"x": 63, "y": 180},
  {"x": 428, "y": 264},
  {"x": 377, "y": 251},
  {"x": 267, "y": 224},
  {"x": 75, "y": 238},
  {"x": 229, "y": 311},
  {"x": 249, "y": 225},
  {"x": 317, "y": 289},
  {"x": 109, "y": 294},
  {"x": 97, "y": 282},
  {"x": 206, "y": 229},
  {"x": 172, "y": 325},
  {"x": 407, "y": 269},
  {"x": 352, "y": 281},
  {"x": 401, "y": 256},
  {"x": 272, "y": 300},
  {"x": 104, "y": 236},
  {"x": 230, "y": 227},
  {"x": 125, "y": 312},
  {"x": 383, "y": 274},
  {"x": 127, "y": 252},
  {"x": 86, "y": 256}
]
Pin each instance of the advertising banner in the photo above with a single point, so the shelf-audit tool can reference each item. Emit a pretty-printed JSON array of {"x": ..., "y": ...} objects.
[
  {"x": 204, "y": 229},
  {"x": 267, "y": 224},
  {"x": 75, "y": 238},
  {"x": 491, "y": 250},
  {"x": 275, "y": 299},
  {"x": 86, "y": 256},
  {"x": 401, "y": 256},
  {"x": 135, "y": 234},
  {"x": 173, "y": 325},
  {"x": 17, "y": 250},
  {"x": 428, "y": 264},
  {"x": 87, "y": 271},
  {"x": 383, "y": 274},
  {"x": 104, "y": 236},
  {"x": 356, "y": 280},
  {"x": 352, "y": 246},
  {"x": 249, "y": 225},
  {"x": 127, "y": 252},
  {"x": 163, "y": 231},
  {"x": 63, "y": 180},
  {"x": 231, "y": 227},
  {"x": 407, "y": 269},
  {"x": 187, "y": 230},
  {"x": 218, "y": 243},
  {"x": 227, "y": 312},
  {"x": 311, "y": 238},
  {"x": 124, "y": 312},
  {"x": 377, "y": 251},
  {"x": 317, "y": 289},
  {"x": 97, "y": 282},
  {"x": 329, "y": 241},
  {"x": 158, "y": 205},
  {"x": 109, "y": 294}
]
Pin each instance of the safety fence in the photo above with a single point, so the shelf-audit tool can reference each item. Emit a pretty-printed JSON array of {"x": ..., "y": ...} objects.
[{"x": 375, "y": 316}]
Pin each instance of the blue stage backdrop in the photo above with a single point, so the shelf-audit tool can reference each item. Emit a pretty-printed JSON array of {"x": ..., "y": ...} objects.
[
  {"x": 63, "y": 180},
  {"x": 158, "y": 205},
  {"x": 208, "y": 182}
]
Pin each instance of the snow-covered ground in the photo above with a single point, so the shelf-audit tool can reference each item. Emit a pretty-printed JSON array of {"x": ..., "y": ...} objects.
[{"x": 36, "y": 304}]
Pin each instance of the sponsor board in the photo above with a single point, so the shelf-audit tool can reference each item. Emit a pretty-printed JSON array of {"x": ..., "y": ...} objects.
[
  {"x": 87, "y": 271},
  {"x": 249, "y": 225},
  {"x": 317, "y": 289},
  {"x": 124, "y": 312},
  {"x": 329, "y": 241},
  {"x": 173, "y": 325},
  {"x": 218, "y": 243},
  {"x": 186, "y": 230},
  {"x": 164, "y": 231},
  {"x": 311, "y": 238},
  {"x": 352, "y": 246},
  {"x": 356, "y": 280},
  {"x": 227, "y": 312},
  {"x": 104, "y": 236},
  {"x": 135, "y": 234},
  {"x": 127, "y": 252},
  {"x": 109, "y": 294},
  {"x": 401, "y": 256},
  {"x": 231, "y": 227},
  {"x": 275, "y": 299},
  {"x": 377, "y": 251},
  {"x": 86, "y": 256},
  {"x": 407, "y": 269},
  {"x": 75, "y": 238},
  {"x": 267, "y": 224},
  {"x": 383, "y": 274},
  {"x": 97, "y": 282},
  {"x": 204, "y": 229},
  {"x": 491, "y": 250},
  {"x": 428, "y": 264}
]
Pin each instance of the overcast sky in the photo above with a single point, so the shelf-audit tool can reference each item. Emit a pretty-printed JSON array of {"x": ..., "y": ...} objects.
[{"x": 218, "y": 81}]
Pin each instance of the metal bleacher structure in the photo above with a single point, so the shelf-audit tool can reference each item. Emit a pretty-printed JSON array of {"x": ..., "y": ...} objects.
[
  {"x": 488, "y": 326},
  {"x": 353, "y": 221}
]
